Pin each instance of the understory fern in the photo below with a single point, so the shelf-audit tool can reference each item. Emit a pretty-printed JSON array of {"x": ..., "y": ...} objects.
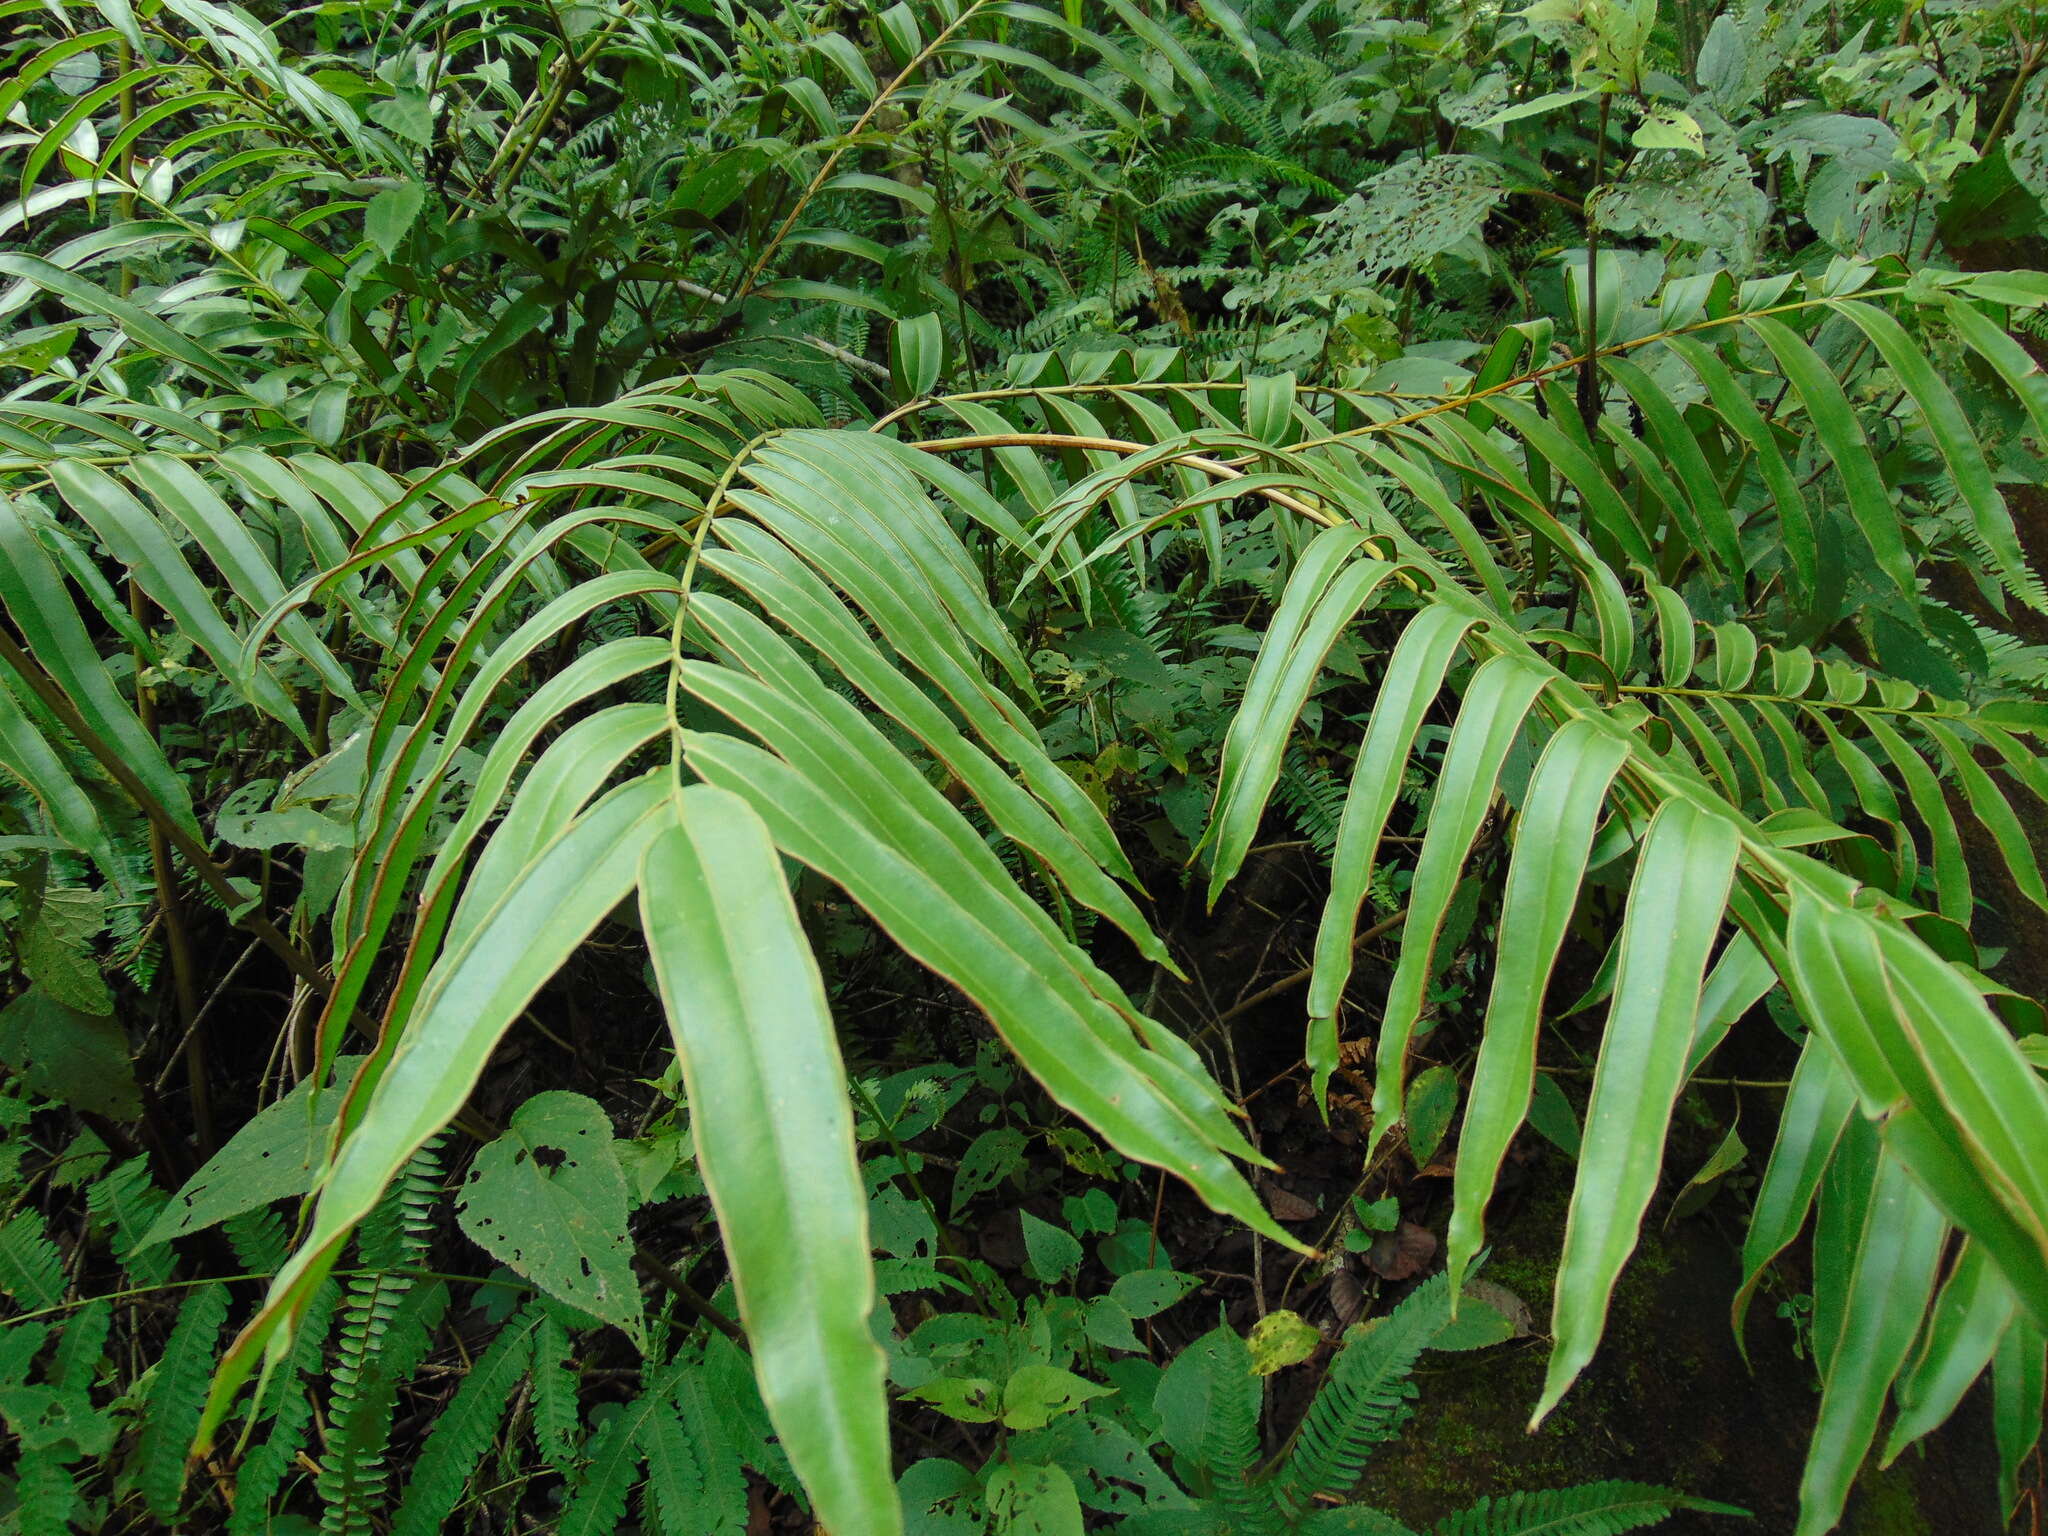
[
  {"x": 386, "y": 1328},
  {"x": 1210, "y": 1399},
  {"x": 1595, "y": 1509},
  {"x": 1314, "y": 798},
  {"x": 288, "y": 1403},
  {"x": 177, "y": 1393},
  {"x": 465, "y": 1430},
  {"x": 1364, "y": 1401}
]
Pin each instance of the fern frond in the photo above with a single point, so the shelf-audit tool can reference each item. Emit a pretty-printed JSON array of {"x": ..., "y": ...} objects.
[
  {"x": 128, "y": 1203},
  {"x": 259, "y": 1239},
  {"x": 463, "y": 1432},
  {"x": 674, "y": 1492},
  {"x": 386, "y": 1328},
  {"x": 31, "y": 1269},
  {"x": 557, "y": 1417},
  {"x": 598, "y": 1502},
  {"x": 1314, "y": 799},
  {"x": 1364, "y": 1400},
  {"x": 47, "y": 1499},
  {"x": 177, "y": 1393},
  {"x": 1596, "y": 1509},
  {"x": 290, "y": 1404}
]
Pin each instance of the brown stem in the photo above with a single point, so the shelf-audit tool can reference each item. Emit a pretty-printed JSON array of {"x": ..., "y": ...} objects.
[
  {"x": 1301, "y": 977},
  {"x": 194, "y": 853},
  {"x": 1589, "y": 370},
  {"x": 2028, "y": 68},
  {"x": 177, "y": 936}
]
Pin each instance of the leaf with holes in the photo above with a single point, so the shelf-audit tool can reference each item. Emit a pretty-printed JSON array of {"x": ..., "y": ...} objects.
[{"x": 549, "y": 1199}]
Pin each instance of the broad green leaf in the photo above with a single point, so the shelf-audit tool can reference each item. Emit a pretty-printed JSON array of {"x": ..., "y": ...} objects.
[
  {"x": 548, "y": 1199},
  {"x": 1952, "y": 433},
  {"x": 273, "y": 1156},
  {"x": 916, "y": 352},
  {"x": 1675, "y": 904},
  {"x": 75, "y": 1058},
  {"x": 774, "y": 1135},
  {"x": 1552, "y": 840}
]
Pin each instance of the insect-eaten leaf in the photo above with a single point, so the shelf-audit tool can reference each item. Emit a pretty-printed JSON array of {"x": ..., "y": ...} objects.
[
  {"x": 80, "y": 1059},
  {"x": 270, "y": 1158},
  {"x": 549, "y": 1199},
  {"x": 1280, "y": 1339}
]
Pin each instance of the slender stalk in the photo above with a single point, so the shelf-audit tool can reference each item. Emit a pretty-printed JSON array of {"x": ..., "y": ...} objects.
[
  {"x": 846, "y": 142},
  {"x": 1589, "y": 368},
  {"x": 189, "y": 848},
  {"x": 177, "y": 934}
]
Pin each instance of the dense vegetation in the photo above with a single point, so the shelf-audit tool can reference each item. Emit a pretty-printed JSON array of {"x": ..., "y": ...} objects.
[{"x": 682, "y": 682}]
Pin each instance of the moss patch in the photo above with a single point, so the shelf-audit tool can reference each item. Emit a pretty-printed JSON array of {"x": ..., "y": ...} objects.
[{"x": 1668, "y": 1400}]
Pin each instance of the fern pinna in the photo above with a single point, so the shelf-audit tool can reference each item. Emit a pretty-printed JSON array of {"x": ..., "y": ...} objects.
[
  {"x": 1363, "y": 1402},
  {"x": 455, "y": 539}
]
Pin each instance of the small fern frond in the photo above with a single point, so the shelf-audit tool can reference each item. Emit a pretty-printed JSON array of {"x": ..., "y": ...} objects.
[
  {"x": 47, "y": 1500},
  {"x": 259, "y": 1239},
  {"x": 674, "y": 1494},
  {"x": 177, "y": 1392},
  {"x": 386, "y": 1331},
  {"x": 263, "y": 1470},
  {"x": 464, "y": 1432},
  {"x": 31, "y": 1269},
  {"x": 1595, "y": 1509},
  {"x": 1364, "y": 1401},
  {"x": 598, "y": 1503},
  {"x": 1314, "y": 798},
  {"x": 127, "y": 1204},
  {"x": 556, "y": 1416}
]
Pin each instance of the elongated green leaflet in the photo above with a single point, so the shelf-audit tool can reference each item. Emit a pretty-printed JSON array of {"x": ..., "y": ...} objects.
[
  {"x": 36, "y": 599},
  {"x": 1896, "y": 1252},
  {"x": 774, "y": 1137},
  {"x": 1972, "y": 1314},
  {"x": 1087, "y": 1057},
  {"x": 2019, "y": 1375},
  {"x": 1491, "y": 714},
  {"x": 1956, "y": 1100},
  {"x": 1817, "y": 1106},
  {"x": 1327, "y": 588},
  {"x": 1415, "y": 674},
  {"x": 1841, "y": 438},
  {"x": 471, "y": 999},
  {"x": 1551, "y": 843},
  {"x": 1683, "y": 874}
]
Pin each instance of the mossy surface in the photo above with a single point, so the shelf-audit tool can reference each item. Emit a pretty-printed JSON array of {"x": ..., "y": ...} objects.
[{"x": 1668, "y": 1400}]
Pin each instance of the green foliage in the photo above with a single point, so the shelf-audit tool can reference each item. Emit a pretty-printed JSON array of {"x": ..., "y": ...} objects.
[
  {"x": 853, "y": 506},
  {"x": 1208, "y": 1403}
]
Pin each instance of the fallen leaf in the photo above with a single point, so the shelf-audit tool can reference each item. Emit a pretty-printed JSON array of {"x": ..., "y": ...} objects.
[
  {"x": 1402, "y": 1254},
  {"x": 1506, "y": 1303},
  {"x": 1286, "y": 1205},
  {"x": 1347, "y": 1299}
]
